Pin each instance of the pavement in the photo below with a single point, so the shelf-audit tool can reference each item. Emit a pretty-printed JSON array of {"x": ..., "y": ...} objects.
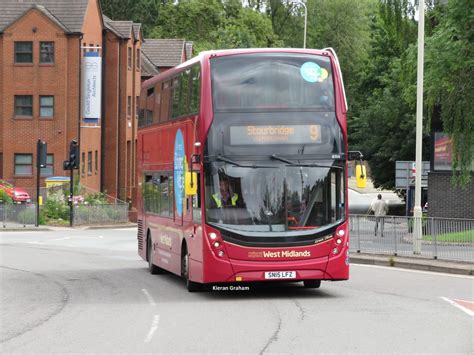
[{"x": 414, "y": 263}]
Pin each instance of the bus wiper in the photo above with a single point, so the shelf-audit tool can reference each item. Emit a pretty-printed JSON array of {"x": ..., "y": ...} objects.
[
  {"x": 230, "y": 161},
  {"x": 311, "y": 165},
  {"x": 277, "y": 157}
]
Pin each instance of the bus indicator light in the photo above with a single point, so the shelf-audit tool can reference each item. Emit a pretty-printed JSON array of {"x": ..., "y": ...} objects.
[
  {"x": 338, "y": 241},
  {"x": 238, "y": 278},
  {"x": 335, "y": 251},
  {"x": 220, "y": 253}
]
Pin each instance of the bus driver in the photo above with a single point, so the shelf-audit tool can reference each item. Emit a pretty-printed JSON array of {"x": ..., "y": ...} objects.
[{"x": 225, "y": 197}]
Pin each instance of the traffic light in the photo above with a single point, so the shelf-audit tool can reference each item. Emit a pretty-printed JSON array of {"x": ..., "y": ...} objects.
[
  {"x": 42, "y": 151},
  {"x": 74, "y": 155},
  {"x": 73, "y": 162}
]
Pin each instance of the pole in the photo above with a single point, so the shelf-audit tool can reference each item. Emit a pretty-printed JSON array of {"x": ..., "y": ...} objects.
[
  {"x": 71, "y": 196},
  {"x": 305, "y": 19},
  {"x": 417, "y": 213},
  {"x": 305, "y": 23},
  {"x": 38, "y": 172}
]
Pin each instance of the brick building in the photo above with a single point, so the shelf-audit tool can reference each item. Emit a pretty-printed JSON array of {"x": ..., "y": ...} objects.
[
  {"x": 40, "y": 86},
  {"x": 122, "y": 80},
  {"x": 43, "y": 46},
  {"x": 165, "y": 54}
]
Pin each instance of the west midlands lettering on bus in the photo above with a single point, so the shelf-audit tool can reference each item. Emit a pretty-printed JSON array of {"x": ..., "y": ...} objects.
[{"x": 242, "y": 168}]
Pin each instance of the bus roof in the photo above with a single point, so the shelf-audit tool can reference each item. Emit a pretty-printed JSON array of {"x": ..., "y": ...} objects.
[{"x": 226, "y": 52}]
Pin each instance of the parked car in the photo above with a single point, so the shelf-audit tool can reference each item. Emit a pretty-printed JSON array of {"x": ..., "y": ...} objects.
[{"x": 17, "y": 194}]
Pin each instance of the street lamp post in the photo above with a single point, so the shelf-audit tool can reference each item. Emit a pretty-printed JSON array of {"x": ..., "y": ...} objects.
[
  {"x": 417, "y": 212},
  {"x": 305, "y": 19}
]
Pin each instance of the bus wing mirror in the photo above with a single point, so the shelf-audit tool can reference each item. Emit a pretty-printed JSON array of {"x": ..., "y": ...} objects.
[
  {"x": 361, "y": 176},
  {"x": 190, "y": 183}
]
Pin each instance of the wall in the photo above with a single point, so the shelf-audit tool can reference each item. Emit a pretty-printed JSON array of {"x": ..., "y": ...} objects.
[{"x": 445, "y": 200}]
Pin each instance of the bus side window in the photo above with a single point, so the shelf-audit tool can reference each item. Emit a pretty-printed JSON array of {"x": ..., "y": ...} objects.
[
  {"x": 165, "y": 101},
  {"x": 196, "y": 202},
  {"x": 157, "y": 104},
  {"x": 195, "y": 89},
  {"x": 147, "y": 192},
  {"x": 165, "y": 196},
  {"x": 185, "y": 87},
  {"x": 176, "y": 97}
]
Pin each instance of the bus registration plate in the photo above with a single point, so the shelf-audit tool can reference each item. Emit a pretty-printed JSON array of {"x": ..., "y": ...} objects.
[{"x": 280, "y": 275}]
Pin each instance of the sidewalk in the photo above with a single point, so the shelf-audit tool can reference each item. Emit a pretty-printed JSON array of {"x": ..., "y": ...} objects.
[
  {"x": 31, "y": 228},
  {"x": 414, "y": 263}
]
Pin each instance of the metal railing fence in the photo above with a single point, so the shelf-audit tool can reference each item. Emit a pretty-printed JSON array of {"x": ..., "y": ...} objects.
[
  {"x": 100, "y": 214},
  {"x": 442, "y": 238},
  {"x": 17, "y": 215}
]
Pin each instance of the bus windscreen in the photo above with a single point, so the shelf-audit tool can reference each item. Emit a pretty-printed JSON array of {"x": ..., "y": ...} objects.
[{"x": 272, "y": 81}]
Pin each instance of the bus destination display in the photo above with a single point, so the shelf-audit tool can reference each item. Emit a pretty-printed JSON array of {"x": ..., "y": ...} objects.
[{"x": 278, "y": 134}]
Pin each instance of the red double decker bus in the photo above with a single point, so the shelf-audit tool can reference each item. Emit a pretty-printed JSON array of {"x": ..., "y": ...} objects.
[{"x": 242, "y": 168}]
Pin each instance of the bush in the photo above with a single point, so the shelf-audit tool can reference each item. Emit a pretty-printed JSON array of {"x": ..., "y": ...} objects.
[
  {"x": 56, "y": 206},
  {"x": 97, "y": 198},
  {"x": 4, "y": 198}
]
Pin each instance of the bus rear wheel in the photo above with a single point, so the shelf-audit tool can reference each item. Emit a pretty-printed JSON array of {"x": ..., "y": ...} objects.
[
  {"x": 154, "y": 270},
  {"x": 190, "y": 285},
  {"x": 312, "y": 283}
]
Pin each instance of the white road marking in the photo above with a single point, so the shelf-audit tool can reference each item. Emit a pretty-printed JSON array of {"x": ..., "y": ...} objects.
[
  {"x": 150, "y": 299},
  {"x": 64, "y": 238},
  {"x": 34, "y": 242},
  {"x": 153, "y": 328},
  {"x": 457, "y": 305},
  {"x": 434, "y": 273}
]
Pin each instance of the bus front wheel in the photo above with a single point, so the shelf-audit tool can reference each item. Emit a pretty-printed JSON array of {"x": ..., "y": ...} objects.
[
  {"x": 312, "y": 283},
  {"x": 190, "y": 285}
]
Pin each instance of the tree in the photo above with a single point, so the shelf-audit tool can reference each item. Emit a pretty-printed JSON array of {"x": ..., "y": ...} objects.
[
  {"x": 382, "y": 119},
  {"x": 143, "y": 11},
  {"x": 449, "y": 83}
]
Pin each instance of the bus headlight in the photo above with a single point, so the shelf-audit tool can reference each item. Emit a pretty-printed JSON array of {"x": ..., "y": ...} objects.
[
  {"x": 341, "y": 232},
  {"x": 213, "y": 236},
  {"x": 217, "y": 244},
  {"x": 339, "y": 241}
]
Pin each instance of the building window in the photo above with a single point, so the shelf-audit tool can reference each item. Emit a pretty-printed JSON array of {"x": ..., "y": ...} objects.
[
  {"x": 23, "y": 105},
  {"x": 96, "y": 161},
  {"x": 89, "y": 163},
  {"x": 47, "y": 52},
  {"x": 129, "y": 58},
  {"x": 23, "y": 52},
  {"x": 137, "y": 107},
  {"x": 129, "y": 106},
  {"x": 138, "y": 59},
  {"x": 47, "y": 106},
  {"x": 83, "y": 163},
  {"x": 23, "y": 164},
  {"x": 49, "y": 170}
]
